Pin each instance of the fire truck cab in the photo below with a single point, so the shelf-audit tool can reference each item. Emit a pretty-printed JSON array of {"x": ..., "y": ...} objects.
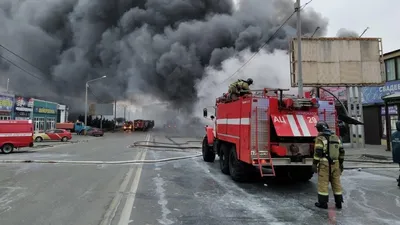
[{"x": 268, "y": 131}]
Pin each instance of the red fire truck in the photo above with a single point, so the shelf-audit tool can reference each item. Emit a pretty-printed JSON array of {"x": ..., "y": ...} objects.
[
  {"x": 15, "y": 134},
  {"x": 268, "y": 131}
]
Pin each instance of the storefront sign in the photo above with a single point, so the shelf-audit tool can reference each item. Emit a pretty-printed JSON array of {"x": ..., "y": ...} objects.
[
  {"x": 44, "y": 110},
  {"x": 392, "y": 110},
  {"x": 6, "y": 103},
  {"x": 371, "y": 95},
  {"x": 23, "y": 104}
]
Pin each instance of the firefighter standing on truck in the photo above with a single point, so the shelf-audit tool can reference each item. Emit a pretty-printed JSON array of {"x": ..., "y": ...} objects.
[
  {"x": 239, "y": 88},
  {"x": 328, "y": 162}
]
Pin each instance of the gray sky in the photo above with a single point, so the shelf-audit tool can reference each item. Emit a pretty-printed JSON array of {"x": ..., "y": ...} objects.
[{"x": 356, "y": 15}]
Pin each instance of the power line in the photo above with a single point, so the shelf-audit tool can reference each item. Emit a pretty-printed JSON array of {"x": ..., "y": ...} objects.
[
  {"x": 27, "y": 72},
  {"x": 266, "y": 42},
  {"x": 95, "y": 96},
  {"x": 20, "y": 57},
  {"x": 31, "y": 64}
]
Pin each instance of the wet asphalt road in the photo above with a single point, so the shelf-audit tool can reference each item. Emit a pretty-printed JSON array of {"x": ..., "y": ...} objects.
[{"x": 187, "y": 191}]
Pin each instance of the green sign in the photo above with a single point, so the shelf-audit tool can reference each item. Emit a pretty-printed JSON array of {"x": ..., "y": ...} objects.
[{"x": 44, "y": 110}]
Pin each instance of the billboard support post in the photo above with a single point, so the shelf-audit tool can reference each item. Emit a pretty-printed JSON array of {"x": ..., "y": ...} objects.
[
  {"x": 350, "y": 110},
  {"x": 299, "y": 59},
  {"x": 361, "y": 117}
]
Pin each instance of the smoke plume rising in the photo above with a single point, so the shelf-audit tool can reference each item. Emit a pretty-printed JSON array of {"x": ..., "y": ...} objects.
[
  {"x": 343, "y": 32},
  {"x": 162, "y": 48}
]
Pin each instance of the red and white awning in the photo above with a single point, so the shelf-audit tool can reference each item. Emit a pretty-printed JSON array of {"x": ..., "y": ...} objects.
[{"x": 288, "y": 125}]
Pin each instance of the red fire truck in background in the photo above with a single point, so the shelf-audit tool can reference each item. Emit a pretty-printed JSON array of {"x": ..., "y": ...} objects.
[
  {"x": 268, "y": 131},
  {"x": 15, "y": 134}
]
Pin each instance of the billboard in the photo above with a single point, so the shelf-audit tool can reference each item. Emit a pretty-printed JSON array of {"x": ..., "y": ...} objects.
[
  {"x": 338, "y": 62},
  {"x": 6, "y": 103},
  {"x": 101, "y": 109}
]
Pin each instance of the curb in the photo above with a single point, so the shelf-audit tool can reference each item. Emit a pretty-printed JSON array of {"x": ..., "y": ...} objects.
[
  {"x": 370, "y": 161},
  {"x": 378, "y": 157},
  {"x": 370, "y": 167},
  {"x": 41, "y": 147}
]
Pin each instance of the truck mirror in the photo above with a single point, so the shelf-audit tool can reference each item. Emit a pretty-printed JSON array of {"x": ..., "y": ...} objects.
[
  {"x": 205, "y": 112},
  {"x": 212, "y": 117}
]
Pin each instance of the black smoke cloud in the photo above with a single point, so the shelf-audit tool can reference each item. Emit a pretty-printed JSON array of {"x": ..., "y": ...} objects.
[{"x": 158, "y": 47}]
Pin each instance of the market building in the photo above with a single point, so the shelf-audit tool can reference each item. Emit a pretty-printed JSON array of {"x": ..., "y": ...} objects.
[
  {"x": 44, "y": 114},
  {"x": 373, "y": 105},
  {"x": 6, "y": 106},
  {"x": 23, "y": 108}
]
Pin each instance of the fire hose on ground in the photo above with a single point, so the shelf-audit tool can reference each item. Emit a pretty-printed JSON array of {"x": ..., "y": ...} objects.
[{"x": 141, "y": 144}]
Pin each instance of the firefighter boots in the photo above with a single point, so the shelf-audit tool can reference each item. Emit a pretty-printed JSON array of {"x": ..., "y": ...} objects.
[
  {"x": 322, "y": 205},
  {"x": 322, "y": 201},
  {"x": 338, "y": 201}
]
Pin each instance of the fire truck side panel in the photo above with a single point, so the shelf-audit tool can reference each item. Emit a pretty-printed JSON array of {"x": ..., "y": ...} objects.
[
  {"x": 228, "y": 122},
  {"x": 243, "y": 151}
]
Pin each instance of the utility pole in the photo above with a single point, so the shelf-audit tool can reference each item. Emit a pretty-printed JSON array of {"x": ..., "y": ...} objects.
[
  {"x": 8, "y": 82},
  {"x": 297, "y": 7},
  {"x": 86, "y": 103},
  {"x": 115, "y": 113},
  {"x": 124, "y": 113}
]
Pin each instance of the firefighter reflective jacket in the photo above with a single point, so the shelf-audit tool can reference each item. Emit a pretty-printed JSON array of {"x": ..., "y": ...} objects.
[
  {"x": 239, "y": 86},
  {"x": 325, "y": 141}
]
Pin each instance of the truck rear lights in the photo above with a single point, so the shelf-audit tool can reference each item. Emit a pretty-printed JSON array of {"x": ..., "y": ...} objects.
[
  {"x": 279, "y": 150},
  {"x": 262, "y": 162}
]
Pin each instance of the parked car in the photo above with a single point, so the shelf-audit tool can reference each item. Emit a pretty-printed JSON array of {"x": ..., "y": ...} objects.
[
  {"x": 52, "y": 135},
  {"x": 93, "y": 131}
]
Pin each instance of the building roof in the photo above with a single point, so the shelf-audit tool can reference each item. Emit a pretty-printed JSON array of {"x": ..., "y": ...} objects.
[{"x": 392, "y": 54}]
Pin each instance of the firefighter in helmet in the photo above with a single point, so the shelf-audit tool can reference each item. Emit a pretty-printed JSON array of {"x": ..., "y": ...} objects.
[
  {"x": 239, "y": 88},
  {"x": 328, "y": 162}
]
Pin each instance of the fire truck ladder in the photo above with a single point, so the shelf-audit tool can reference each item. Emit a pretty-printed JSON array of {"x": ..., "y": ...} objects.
[{"x": 260, "y": 130}]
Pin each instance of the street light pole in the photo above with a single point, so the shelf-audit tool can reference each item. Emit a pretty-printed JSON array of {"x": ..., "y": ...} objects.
[
  {"x": 86, "y": 96},
  {"x": 86, "y": 102}
]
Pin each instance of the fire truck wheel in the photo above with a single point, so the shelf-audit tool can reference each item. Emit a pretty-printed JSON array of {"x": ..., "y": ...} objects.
[
  {"x": 224, "y": 159},
  {"x": 208, "y": 153},
  {"x": 237, "y": 168},
  {"x": 7, "y": 148},
  {"x": 305, "y": 174},
  {"x": 299, "y": 174}
]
